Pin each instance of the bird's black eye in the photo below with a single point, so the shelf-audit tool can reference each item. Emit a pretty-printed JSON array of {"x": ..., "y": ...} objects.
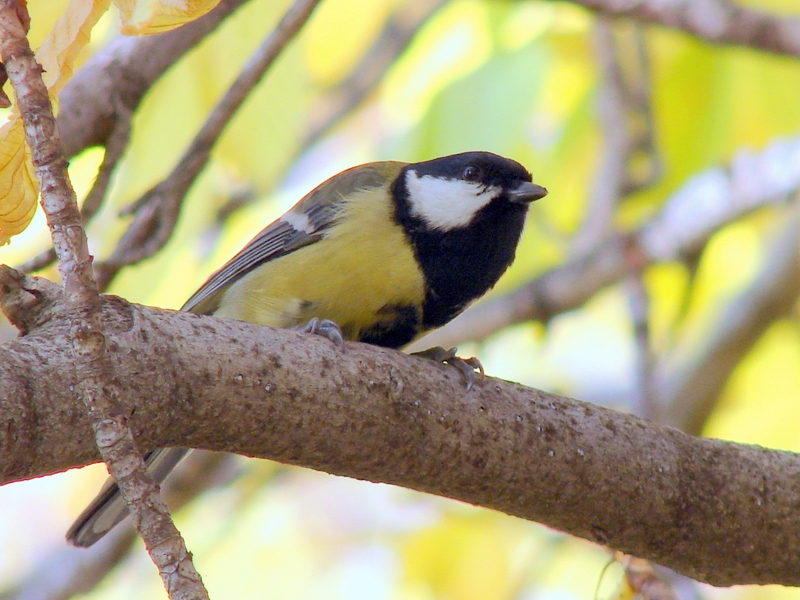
[{"x": 471, "y": 173}]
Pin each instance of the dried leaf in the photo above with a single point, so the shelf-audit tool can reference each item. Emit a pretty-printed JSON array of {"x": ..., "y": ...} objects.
[
  {"x": 68, "y": 37},
  {"x": 18, "y": 186},
  {"x": 156, "y": 16}
]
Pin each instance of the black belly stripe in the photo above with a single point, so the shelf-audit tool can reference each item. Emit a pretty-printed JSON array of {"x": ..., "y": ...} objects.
[
  {"x": 396, "y": 326},
  {"x": 437, "y": 310}
]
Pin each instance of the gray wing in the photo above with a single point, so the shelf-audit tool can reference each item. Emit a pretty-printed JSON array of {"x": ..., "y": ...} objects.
[
  {"x": 303, "y": 224},
  {"x": 275, "y": 240}
]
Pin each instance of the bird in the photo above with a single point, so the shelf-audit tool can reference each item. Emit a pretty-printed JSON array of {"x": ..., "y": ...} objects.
[{"x": 380, "y": 253}]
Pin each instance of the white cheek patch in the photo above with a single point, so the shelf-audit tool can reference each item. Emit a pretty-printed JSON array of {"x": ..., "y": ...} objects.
[
  {"x": 446, "y": 203},
  {"x": 299, "y": 221}
]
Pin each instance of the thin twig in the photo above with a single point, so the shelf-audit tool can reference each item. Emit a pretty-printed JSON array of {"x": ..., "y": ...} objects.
[
  {"x": 610, "y": 174},
  {"x": 115, "y": 147},
  {"x": 397, "y": 33},
  {"x": 693, "y": 386},
  {"x": 629, "y": 160},
  {"x": 639, "y": 302},
  {"x": 156, "y": 212},
  {"x": 345, "y": 97},
  {"x": 92, "y": 365},
  {"x": 644, "y": 164}
]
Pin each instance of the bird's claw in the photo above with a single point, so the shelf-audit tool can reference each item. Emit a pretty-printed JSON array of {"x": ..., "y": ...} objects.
[
  {"x": 465, "y": 366},
  {"x": 324, "y": 327}
]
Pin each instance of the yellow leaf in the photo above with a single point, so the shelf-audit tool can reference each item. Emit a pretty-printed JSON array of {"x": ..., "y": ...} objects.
[
  {"x": 156, "y": 16},
  {"x": 68, "y": 37},
  {"x": 18, "y": 186}
]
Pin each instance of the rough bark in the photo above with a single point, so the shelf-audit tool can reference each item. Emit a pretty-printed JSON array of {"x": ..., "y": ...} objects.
[{"x": 719, "y": 512}]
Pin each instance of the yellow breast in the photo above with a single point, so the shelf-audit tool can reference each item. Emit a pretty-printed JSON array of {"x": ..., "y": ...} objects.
[{"x": 362, "y": 265}]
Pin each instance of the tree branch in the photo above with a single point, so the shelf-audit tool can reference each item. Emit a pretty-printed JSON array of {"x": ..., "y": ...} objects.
[
  {"x": 695, "y": 383},
  {"x": 90, "y": 364},
  {"x": 111, "y": 84},
  {"x": 715, "y": 21},
  {"x": 397, "y": 33},
  {"x": 716, "y": 511},
  {"x": 96, "y": 105},
  {"x": 156, "y": 212},
  {"x": 116, "y": 144}
]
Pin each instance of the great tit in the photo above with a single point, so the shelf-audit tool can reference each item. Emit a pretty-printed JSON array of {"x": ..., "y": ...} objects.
[{"x": 380, "y": 253}]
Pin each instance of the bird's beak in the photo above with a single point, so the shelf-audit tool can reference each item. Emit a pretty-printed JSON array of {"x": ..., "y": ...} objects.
[{"x": 527, "y": 192}]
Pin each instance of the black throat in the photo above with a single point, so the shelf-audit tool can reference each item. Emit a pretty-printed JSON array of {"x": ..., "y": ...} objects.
[{"x": 460, "y": 264}]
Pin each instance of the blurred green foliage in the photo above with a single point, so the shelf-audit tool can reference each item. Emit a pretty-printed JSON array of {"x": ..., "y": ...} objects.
[{"x": 517, "y": 78}]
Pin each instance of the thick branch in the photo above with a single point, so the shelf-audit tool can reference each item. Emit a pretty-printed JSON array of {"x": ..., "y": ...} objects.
[
  {"x": 719, "y": 512},
  {"x": 716, "y": 21}
]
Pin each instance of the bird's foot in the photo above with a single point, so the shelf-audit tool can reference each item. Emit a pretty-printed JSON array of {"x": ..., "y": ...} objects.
[
  {"x": 324, "y": 327},
  {"x": 465, "y": 366}
]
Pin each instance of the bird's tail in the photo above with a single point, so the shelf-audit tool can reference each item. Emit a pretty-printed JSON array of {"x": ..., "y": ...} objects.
[{"x": 108, "y": 508}]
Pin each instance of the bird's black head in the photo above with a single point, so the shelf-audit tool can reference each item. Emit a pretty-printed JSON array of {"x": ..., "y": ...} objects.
[
  {"x": 463, "y": 215},
  {"x": 450, "y": 192}
]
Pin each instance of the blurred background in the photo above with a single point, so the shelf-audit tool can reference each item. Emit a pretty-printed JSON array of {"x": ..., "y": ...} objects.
[{"x": 660, "y": 276}]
